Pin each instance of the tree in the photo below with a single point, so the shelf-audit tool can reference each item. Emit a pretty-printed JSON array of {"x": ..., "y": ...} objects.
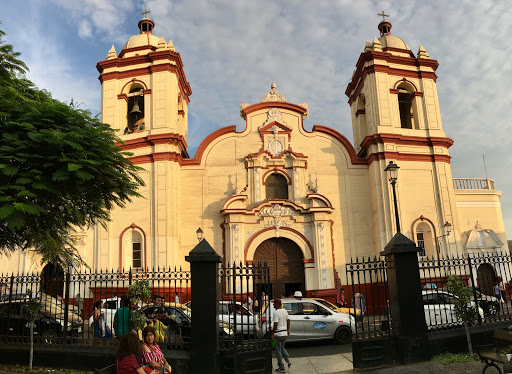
[
  {"x": 32, "y": 310},
  {"x": 60, "y": 168},
  {"x": 465, "y": 307}
]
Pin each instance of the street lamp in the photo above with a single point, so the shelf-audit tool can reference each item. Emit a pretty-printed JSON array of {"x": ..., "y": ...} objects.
[
  {"x": 447, "y": 230},
  {"x": 392, "y": 171},
  {"x": 199, "y": 233}
]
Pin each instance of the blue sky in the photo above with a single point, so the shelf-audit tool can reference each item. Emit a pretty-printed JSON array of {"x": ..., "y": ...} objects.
[{"x": 232, "y": 51}]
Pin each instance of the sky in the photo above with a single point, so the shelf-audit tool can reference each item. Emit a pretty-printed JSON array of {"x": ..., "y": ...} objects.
[{"x": 233, "y": 50}]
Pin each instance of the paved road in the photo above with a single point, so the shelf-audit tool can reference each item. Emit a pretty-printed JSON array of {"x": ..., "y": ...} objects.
[{"x": 321, "y": 348}]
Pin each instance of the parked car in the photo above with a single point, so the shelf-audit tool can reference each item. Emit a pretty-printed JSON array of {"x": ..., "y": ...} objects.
[
  {"x": 489, "y": 304},
  {"x": 356, "y": 313},
  {"x": 236, "y": 313},
  {"x": 440, "y": 309},
  {"x": 310, "y": 320},
  {"x": 182, "y": 315},
  {"x": 47, "y": 326}
]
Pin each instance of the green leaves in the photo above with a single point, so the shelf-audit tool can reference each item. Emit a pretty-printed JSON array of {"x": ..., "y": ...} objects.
[{"x": 59, "y": 167}]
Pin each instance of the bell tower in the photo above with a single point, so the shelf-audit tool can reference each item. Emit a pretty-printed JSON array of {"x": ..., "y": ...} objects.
[
  {"x": 144, "y": 91},
  {"x": 396, "y": 117},
  {"x": 145, "y": 97}
]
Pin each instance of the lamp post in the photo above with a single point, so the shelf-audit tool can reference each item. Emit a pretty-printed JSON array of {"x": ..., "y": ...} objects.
[
  {"x": 199, "y": 234},
  {"x": 392, "y": 172},
  {"x": 447, "y": 230}
]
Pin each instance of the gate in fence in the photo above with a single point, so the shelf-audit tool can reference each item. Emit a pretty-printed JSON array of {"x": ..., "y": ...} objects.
[
  {"x": 368, "y": 296},
  {"x": 243, "y": 307}
]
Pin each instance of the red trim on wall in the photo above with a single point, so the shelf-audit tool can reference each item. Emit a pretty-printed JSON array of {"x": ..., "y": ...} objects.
[
  {"x": 421, "y": 218},
  {"x": 151, "y": 140},
  {"x": 363, "y": 69},
  {"x": 403, "y": 80},
  {"x": 407, "y": 157},
  {"x": 249, "y": 242},
  {"x": 383, "y": 138},
  {"x": 344, "y": 141},
  {"x": 132, "y": 226},
  {"x": 134, "y": 81},
  {"x": 308, "y": 261},
  {"x": 149, "y": 59},
  {"x": 206, "y": 142},
  {"x": 274, "y": 104}
]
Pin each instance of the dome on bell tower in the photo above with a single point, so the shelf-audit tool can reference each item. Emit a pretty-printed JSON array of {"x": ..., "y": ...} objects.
[
  {"x": 389, "y": 42},
  {"x": 145, "y": 38}
]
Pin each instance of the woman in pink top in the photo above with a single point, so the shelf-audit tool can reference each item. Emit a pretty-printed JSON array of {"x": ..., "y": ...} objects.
[{"x": 151, "y": 353}]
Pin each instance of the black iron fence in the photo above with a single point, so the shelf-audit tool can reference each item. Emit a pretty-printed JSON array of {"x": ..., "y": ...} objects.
[
  {"x": 488, "y": 275},
  {"x": 80, "y": 307},
  {"x": 368, "y": 297},
  {"x": 243, "y": 307}
]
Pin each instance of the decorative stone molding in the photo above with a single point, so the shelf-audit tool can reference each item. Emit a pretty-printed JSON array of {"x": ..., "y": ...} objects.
[
  {"x": 273, "y": 114},
  {"x": 235, "y": 228},
  {"x": 321, "y": 245},
  {"x": 305, "y": 105},
  {"x": 242, "y": 107},
  {"x": 277, "y": 211},
  {"x": 275, "y": 146},
  {"x": 273, "y": 95},
  {"x": 257, "y": 183}
]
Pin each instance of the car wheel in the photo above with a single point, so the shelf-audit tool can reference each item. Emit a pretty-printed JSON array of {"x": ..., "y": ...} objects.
[
  {"x": 49, "y": 337},
  {"x": 343, "y": 335},
  {"x": 492, "y": 310}
]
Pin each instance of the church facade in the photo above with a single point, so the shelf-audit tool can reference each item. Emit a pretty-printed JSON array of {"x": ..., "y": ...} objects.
[{"x": 306, "y": 202}]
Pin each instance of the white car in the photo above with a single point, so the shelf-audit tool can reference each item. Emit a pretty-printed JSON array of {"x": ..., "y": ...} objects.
[
  {"x": 237, "y": 313},
  {"x": 310, "y": 320},
  {"x": 110, "y": 306},
  {"x": 440, "y": 309}
]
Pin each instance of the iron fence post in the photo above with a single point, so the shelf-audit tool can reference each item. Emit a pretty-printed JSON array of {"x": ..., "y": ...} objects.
[
  {"x": 407, "y": 312},
  {"x": 205, "y": 312},
  {"x": 470, "y": 266},
  {"x": 66, "y": 306}
]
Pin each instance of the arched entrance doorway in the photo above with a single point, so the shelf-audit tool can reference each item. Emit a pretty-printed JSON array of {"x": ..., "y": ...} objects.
[
  {"x": 486, "y": 278},
  {"x": 285, "y": 261},
  {"x": 52, "y": 280}
]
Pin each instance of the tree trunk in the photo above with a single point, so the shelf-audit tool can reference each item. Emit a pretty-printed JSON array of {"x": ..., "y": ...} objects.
[
  {"x": 468, "y": 337},
  {"x": 31, "y": 357}
]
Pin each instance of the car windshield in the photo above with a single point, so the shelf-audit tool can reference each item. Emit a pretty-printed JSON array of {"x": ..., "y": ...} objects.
[{"x": 327, "y": 304}]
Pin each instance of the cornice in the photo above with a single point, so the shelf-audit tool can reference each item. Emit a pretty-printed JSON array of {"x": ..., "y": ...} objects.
[
  {"x": 274, "y": 104},
  {"x": 382, "y": 138}
]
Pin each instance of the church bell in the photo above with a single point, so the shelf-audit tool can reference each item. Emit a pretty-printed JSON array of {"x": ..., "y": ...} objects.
[{"x": 136, "y": 109}]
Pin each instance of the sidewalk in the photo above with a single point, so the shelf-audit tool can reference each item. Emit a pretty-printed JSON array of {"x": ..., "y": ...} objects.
[{"x": 342, "y": 364}]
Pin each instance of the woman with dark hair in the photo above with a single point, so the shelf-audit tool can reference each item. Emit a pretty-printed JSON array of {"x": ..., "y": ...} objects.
[
  {"x": 127, "y": 353},
  {"x": 151, "y": 353}
]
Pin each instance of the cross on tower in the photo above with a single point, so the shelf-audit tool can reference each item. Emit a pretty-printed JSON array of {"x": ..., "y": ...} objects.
[
  {"x": 145, "y": 13},
  {"x": 384, "y": 15}
]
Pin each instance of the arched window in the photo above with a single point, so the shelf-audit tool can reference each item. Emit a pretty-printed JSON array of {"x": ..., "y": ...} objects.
[
  {"x": 425, "y": 239},
  {"x": 135, "y": 115},
  {"x": 137, "y": 254},
  {"x": 277, "y": 187},
  {"x": 405, "y": 108}
]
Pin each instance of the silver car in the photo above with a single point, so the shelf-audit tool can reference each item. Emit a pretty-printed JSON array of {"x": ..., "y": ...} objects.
[
  {"x": 310, "y": 320},
  {"x": 237, "y": 314}
]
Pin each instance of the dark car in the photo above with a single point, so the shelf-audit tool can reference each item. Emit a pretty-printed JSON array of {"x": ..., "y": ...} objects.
[
  {"x": 489, "y": 304},
  {"x": 15, "y": 323}
]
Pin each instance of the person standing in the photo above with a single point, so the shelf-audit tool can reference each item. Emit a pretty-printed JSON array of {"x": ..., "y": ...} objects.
[
  {"x": 502, "y": 290},
  {"x": 176, "y": 298},
  {"x": 497, "y": 292},
  {"x": 340, "y": 298},
  {"x": 122, "y": 317},
  {"x": 281, "y": 331}
]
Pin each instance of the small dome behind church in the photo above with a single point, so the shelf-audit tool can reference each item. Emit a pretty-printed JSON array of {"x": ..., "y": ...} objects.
[{"x": 390, "y": 43}]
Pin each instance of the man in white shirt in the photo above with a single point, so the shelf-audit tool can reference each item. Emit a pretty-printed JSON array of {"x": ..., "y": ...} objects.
[{"x": 280, "y": 331}]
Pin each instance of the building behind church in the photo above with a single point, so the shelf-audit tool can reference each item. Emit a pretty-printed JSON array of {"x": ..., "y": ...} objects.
[{"x": 304, "y": 202}]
